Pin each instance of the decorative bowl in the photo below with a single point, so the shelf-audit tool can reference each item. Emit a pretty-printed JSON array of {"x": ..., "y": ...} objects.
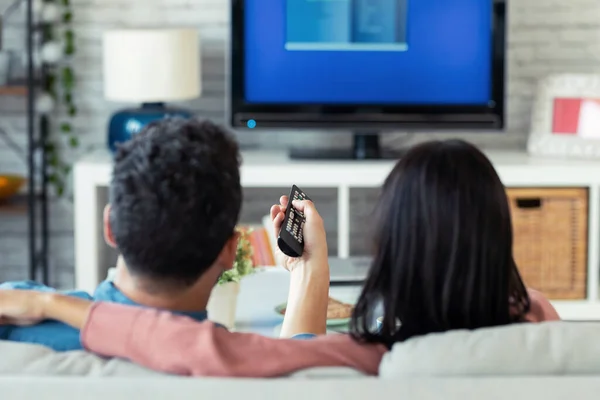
[{"x": 10, "y": 185}]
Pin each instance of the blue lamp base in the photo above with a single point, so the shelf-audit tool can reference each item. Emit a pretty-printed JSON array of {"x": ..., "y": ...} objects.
[{"x": 126, "y": 123}]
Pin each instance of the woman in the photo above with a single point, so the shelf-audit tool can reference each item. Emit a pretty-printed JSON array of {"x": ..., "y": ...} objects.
[
  {"x": 442, "y": 261},
  {"x": 443, "y": 257}
]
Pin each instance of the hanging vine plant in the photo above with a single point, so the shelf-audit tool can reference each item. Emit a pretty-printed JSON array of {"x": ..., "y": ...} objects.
[{"x": 58, "y": 82}]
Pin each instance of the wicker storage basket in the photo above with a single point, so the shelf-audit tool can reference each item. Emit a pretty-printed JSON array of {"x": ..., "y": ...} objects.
[{"x": 550, "y": 239}]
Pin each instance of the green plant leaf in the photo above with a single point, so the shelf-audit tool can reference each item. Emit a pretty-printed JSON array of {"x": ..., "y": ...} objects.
[
  {"x": 66, "y": 127},
  {"x": 67, "y": 73},
  {"x": 50, "y": 78},
  {"x": 242, "y": 265},
  {"x": 65, "y": 77},
  {"x": 47, "y": 32},
  {"x": 53, "y": 159},
  {"x": 68, "y": 78},
  {"x": 50, "y": 84}
]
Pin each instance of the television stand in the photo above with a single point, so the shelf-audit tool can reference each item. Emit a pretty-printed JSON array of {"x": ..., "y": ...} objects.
[{"x": 364, "y": 147}]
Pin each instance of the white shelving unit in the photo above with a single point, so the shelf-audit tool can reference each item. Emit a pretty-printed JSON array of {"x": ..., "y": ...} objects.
[{"x": 275, "y": 170}]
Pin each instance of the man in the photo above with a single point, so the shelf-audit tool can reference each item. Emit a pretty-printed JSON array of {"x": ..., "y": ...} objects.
[{"x": 175, "y": 199}]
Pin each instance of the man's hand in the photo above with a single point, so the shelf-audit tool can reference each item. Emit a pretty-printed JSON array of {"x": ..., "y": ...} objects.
[{"x": 22, "y": 307}]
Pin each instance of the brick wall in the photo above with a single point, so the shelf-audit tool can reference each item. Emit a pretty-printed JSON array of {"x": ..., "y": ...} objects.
[{"x": 545, "y": 36}]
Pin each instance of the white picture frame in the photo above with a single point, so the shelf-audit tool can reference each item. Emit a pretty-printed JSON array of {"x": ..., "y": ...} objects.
[{"x": 585, "y": 143}]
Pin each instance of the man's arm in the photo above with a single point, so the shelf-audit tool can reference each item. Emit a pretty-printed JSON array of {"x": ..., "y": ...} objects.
[{"x": 180, "y": 345}]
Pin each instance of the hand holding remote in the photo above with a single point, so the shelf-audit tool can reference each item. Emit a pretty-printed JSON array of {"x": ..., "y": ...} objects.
[{"x": 315, "y": 240}]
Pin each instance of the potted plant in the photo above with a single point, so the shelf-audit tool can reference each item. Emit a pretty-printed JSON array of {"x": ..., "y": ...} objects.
[{"x": 222, "y": 304}]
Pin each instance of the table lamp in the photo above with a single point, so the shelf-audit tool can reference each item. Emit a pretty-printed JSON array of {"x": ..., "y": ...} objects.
[{"x": 150, "y": 67}]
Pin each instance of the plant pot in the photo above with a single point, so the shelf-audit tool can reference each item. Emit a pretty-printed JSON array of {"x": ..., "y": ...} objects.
[{"x": 222, "y": 304}]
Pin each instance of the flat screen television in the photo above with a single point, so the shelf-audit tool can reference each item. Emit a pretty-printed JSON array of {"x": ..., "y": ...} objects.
[{"x": 367, "y": 66}]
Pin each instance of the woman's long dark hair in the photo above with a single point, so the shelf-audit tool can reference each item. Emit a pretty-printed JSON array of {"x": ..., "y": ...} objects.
[{"x": 443, "y": 248}]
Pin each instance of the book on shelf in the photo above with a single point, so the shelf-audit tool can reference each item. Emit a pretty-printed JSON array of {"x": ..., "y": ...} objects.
[{"x": 262, "y": 240}]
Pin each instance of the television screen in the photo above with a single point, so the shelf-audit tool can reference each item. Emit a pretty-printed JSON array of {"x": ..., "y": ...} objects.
[
  {"x": 369, "y": 60},
  {"x": 368, "y": 51}
]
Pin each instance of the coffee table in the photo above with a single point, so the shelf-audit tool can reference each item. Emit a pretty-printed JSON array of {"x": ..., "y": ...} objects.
[{"x": 260, "y": 293}]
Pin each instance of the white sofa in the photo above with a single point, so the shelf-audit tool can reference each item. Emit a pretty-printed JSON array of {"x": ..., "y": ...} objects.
[{"x": 544, "y": 361}]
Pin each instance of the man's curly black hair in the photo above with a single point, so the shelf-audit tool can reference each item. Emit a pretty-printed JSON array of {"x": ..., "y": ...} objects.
[{"x": 175, "y": 199}]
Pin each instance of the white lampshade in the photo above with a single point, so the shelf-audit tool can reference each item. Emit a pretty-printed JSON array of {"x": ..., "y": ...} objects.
[{"x": 151, "y": 65}]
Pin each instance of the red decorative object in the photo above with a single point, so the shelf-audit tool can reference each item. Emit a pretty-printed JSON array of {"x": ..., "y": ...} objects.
[{"x": 573, "y": 116}]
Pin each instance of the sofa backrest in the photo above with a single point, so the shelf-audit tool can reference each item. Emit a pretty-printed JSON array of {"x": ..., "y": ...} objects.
[
  {"x": 516, "y": 388},
  {"x": 20, "y": 359},
  {"x": 551, "y": 348}
]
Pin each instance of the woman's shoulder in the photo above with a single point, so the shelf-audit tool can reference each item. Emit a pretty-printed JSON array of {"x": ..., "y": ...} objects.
[{"x": 541, "y": 308}]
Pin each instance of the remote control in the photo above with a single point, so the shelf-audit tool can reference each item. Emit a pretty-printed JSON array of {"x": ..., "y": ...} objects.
[{"x": 291, "y": 236}]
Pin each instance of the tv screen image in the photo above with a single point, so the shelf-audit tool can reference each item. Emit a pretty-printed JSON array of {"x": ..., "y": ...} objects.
[{"x": 345, "y": 25}]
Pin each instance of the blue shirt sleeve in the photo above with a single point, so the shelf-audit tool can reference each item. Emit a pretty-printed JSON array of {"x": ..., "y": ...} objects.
[
  {"x": 6, "y": 330},
  {"x": 304, "y": 336},
  {"x": 31, "y": 285},
  {"x": 26, "y": 285},
  {"x": 56, "y": 335}
]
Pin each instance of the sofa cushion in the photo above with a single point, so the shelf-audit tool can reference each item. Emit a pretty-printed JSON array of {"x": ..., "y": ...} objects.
[
  {"x": 551, "y": 348},
  {"x": 18, "y": 359},
  {"x": 327, "y": 373}
]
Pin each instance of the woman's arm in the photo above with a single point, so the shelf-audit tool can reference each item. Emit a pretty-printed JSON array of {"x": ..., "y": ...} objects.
[
  {"x": 541, "y": 309},
  {"x": 306, "y": 310}
]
